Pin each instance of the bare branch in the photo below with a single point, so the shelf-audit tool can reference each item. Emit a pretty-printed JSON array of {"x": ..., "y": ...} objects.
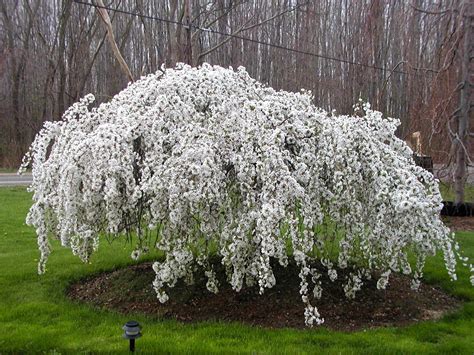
[
  {"x": 429, "y": 12},
  {"x": 110, "y": 36},
  {"x": 220, "y": 44},
  {"x": 226, "y": 13},
  {"x": 246, "y": 28}
]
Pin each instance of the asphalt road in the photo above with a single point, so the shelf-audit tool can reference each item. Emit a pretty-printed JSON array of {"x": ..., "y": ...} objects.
[{"x": 15, "y": 180}]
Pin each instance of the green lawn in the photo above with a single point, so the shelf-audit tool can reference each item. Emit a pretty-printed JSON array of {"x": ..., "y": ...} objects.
[
  {"x": 448, "y": 192},
  {"x": 37, "y": 317}
]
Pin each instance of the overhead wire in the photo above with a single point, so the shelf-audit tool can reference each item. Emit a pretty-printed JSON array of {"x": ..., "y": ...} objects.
[{"x": 252, "y": 40}]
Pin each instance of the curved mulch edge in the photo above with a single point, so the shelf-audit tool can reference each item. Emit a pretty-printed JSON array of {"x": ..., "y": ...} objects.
[
  {"x": 459, "y": 223},
  {"x": 129, "y": 291}
]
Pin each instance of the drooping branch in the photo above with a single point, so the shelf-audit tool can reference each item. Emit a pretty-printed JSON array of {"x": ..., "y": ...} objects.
[{"x": 263, "y": 170}]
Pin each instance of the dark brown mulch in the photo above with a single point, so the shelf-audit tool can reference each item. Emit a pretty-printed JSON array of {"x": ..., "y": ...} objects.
[
  {"x": 460, "y": 223},
  {"x": 129, "y": 290}
]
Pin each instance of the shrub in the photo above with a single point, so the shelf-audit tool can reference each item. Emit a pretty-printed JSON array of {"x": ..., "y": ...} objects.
[{"x": 207, "y": 161}]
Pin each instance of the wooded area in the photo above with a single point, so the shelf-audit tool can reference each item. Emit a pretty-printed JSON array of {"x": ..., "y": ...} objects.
[{"x": 409, "y": 59}]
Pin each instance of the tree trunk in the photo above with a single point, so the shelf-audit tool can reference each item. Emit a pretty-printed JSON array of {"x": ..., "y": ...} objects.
[
  {"x": 14, "y": 77},
  {"x": 65, "y": 15},
  {"x": 188, "y": 50},
  {"x": 465, "y": 103}
]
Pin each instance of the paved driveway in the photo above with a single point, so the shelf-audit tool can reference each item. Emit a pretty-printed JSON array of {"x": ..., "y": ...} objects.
[{"x": 15, "y": 180}]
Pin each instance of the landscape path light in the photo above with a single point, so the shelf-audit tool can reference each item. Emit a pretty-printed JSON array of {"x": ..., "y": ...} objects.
[{"x": 132, "y": 331}]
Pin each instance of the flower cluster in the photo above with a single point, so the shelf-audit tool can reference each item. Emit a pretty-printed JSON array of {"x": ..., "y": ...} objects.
[{"x": 208, "y": 162}]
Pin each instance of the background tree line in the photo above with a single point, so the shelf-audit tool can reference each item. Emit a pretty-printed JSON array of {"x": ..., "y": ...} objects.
[{"x": 52, "y": 52}]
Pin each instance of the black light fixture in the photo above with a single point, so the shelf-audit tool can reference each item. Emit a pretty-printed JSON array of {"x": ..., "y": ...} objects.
[{"x": 132, "y": 331}]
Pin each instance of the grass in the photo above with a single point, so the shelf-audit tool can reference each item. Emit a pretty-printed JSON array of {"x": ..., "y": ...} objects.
[
  {"x": 12, "y": 171},
  {"x": 447, "y": 191},
  {"x": 8, "y": 170},
  {"x": 36, "y": 316}
]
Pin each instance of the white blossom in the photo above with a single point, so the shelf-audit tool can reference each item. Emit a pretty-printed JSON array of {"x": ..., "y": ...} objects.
[{"x": 208, "y": 162}]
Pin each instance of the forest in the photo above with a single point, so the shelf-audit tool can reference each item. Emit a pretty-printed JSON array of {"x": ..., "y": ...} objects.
[{"x": 409, "y": 59}]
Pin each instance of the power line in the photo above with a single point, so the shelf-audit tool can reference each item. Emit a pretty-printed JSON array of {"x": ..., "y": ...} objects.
[{"x": 277, "y": 46}]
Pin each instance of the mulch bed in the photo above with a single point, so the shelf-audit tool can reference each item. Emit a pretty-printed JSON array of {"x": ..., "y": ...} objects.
[
  {"x": 459, "y": 223},
  {"x": 130, "y": 291}
]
